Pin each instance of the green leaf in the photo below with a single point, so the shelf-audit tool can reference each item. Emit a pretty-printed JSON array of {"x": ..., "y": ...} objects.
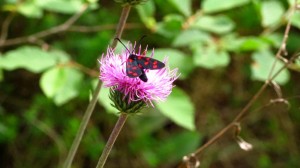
[
  {"x": 274, "y": 39},
  {"x": 177, "y": 59},
  {"x": 187, "y": 37},
  {"x": 179, "y": 109},
  {"x": 247, "y": 44},
  {"x": 146, "y": 12},
  {"x": 61, "y": 6},
  {"x": 171, "y": 25},
  {"x": 210, "y": 57},
  {"x": 183, "y": 6},
  {"x": 30, "y": 9},
  {"x": 296, "y": 20},
  {"x": 61, "y": 84},
  {"x": 220, "y": 5},
  {"x": 30, "y": 58},
  {"x": 271, "y": 12},
  {"x": 263, "y": 61},
  {"x": 220, "y": 24}
]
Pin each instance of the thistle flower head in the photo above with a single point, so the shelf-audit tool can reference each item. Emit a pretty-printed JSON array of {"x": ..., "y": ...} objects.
[{"x": 113, "y": 74}]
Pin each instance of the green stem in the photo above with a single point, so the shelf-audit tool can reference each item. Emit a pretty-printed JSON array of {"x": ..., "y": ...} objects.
[
  {"x": 91, "y": 106},
  {"x": 112, "y": 138}
]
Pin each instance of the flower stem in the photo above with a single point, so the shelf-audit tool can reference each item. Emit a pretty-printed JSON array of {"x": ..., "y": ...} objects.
[
  {"x": 112, "y": 138},
  {"x": 91, "y": 106}
]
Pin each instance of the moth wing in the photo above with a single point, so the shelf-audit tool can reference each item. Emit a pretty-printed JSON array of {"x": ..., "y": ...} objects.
[
  {"x": 149, "y": 63},
  {"x": 132, "y": 68}
]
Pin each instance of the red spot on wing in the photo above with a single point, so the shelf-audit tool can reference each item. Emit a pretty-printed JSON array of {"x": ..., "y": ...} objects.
[
  {"x": 146, "y": 63},
  {"x": 154, "y": 66}
]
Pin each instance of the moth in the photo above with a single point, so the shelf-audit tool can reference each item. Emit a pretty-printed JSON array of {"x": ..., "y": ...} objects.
[{"x": 137, "y": 64}]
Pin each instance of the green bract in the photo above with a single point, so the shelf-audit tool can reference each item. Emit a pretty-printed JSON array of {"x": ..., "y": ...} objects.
[{"x": 122, "y": 103}]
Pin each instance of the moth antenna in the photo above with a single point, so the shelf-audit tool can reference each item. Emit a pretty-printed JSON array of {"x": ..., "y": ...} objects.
[
  {"x": 123, "y": 44},
  {"x": 134, "y": 46},
  {"x": 139, "y": 43}
]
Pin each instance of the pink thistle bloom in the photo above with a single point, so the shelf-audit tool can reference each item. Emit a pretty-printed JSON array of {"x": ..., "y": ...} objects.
[{"x": 113, "y": 74}]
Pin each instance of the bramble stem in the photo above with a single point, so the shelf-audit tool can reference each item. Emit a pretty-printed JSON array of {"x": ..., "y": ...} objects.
[
  {"x": 112, "y": 138},
  {"x": 92, "y": 103}
]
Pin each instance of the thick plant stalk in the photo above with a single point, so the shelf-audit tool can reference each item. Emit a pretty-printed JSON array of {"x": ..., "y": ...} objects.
[{"x": 91, "y": 106}]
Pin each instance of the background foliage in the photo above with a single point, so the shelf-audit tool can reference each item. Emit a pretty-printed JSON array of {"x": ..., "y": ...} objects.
[{"x": 223, "y": 49}]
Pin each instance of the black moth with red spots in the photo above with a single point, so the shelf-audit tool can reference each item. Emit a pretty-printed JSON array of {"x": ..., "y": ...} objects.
[{"x": 136, "y": 64}]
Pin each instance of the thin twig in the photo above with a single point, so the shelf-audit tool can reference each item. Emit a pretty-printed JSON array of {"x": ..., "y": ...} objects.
[
  {"x": 112, "y": 138},
  {"x": 282, "y": 48},
  {"x": 91, "y": 106},
  {"x": 51, "y": 31},
  {"x": 87, "y": 29},
  {"x": 88, "y": 71},
  {"x": 5, "y": 27}
]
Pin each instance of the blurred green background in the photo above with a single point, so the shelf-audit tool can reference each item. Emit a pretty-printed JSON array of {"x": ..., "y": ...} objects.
[{"x": 224, "y": 50}]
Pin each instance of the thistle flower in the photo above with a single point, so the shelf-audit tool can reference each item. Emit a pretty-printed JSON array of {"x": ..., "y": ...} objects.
[{"x": 113, "y": 75}]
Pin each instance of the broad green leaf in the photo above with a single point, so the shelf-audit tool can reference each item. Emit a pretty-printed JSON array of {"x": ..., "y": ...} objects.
[
  {"x": 171, "y": 25},
  {"x": 179, "y": 109},
  {"x": 30, "y": 9},
  {"x": 30, "y": 58},
  {"x": 271, "y": 12},
  {"x": 185, "y": 7},
  {"x": 220, "y": 24},
  {"x": 220, "y": 5},
  {"x": 146, "y": 12},
  {"x": 252, "y": 44},
  {"x": 176, "y": 59},
  {"x": 61, "y": 84},
  {"x": 187, "y": 37},
  {"x": 105, "y": 101},
  {"x": 274, "y": 39},
  {"x": 263, "y": 61},
  {"x": 210, "y": 57},
  {"x": 60, "y": 56},
  {"x": 296, "y": 20},
  {"x": 61, "y": 6}
]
